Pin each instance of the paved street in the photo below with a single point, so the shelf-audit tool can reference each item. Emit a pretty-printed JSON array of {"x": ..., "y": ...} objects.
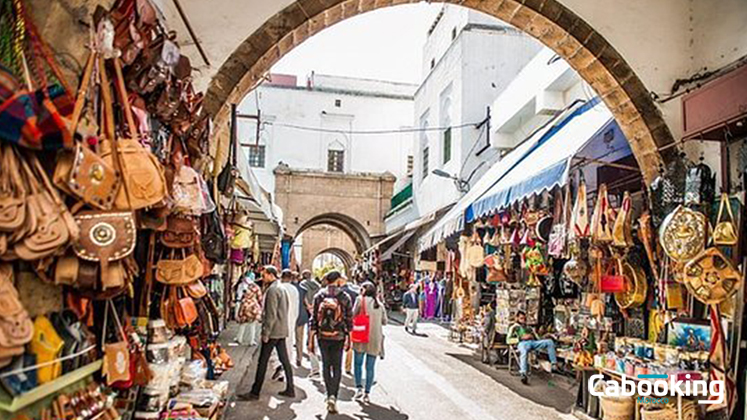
[{"x": 421, "y": 378}]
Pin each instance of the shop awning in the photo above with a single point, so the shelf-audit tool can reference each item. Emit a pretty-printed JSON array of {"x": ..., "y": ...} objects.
[
  {"x": 386, "y": 255},
  {"x": 453, "y": 220},
  {"x": 549, "y": 161}
]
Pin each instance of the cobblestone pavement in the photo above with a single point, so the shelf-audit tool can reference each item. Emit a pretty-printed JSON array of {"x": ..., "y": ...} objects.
[{"x": 422, "y": 377}]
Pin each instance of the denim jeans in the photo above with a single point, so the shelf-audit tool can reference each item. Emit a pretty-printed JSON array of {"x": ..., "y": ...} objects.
[
  {"x": 370, "y": 365},
  {"x": 525, "y": 347}
]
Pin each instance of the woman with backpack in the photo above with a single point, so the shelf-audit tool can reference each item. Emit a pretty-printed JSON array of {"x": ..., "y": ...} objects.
[{"x": 368, "y": 343}]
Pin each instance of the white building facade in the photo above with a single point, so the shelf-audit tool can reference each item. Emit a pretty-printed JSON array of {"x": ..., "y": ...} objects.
[
  {"x": 327, "y": 123},
  {"x": 468, "y": 60}
]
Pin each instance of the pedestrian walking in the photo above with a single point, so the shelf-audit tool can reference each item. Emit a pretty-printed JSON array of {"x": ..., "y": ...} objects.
[
  {"x": 311, "y": 287},
  {"x": 330, "y": 324},
  {"x": 372, "y": 346},
  {"x": 352, "y": 291},
  {"x": 274, "y": 335},
  {"x": 286, "y": 282},
  {"x": 302, "y": 321},
  {"x": 249, "y": 312},
  {"x": 412, "y": 309}
]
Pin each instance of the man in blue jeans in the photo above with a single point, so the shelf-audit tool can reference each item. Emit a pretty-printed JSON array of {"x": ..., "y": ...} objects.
[{"x": 527, "y": 340}]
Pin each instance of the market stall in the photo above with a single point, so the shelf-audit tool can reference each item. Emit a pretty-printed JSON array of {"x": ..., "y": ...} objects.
[
  {"x": 626, "y": 279},
  {"x": 114, "y": 247}
]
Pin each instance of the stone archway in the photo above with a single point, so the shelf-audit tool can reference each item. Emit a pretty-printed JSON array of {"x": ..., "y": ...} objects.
[
  {"x": 351, "y": 227},
  {"x": 347, "y": 260},
  {"x": 553, "y": 24}
]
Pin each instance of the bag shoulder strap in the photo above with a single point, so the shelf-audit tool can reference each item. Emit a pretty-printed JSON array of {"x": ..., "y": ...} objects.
[{"x": 725, "y": 202}]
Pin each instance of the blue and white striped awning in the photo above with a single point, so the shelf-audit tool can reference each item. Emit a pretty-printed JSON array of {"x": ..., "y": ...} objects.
[{"x": 548, "y": 163}]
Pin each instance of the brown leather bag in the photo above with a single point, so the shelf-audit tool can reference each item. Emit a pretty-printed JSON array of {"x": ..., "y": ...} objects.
[
  {"x": 81, "y": 172},
  {"x": 53, "y": 223},
  {"x": 144, "y": 184},
  {"x": 185, "y": 310},
  {"x": 179, "y": 271},
  {"x": 196, "y": 290},
  {"x": 16, "y": 328},
  {"x": 105, "y": 236},
  {"x": 12, "y": 192},
  {"x": 181, "y": 232}
]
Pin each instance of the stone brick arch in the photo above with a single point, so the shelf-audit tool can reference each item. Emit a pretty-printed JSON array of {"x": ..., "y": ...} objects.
[
  {"x": 347, "y": 260},
  {"x": 549, "y": 21},
  {"x": 345, "y": 223}
]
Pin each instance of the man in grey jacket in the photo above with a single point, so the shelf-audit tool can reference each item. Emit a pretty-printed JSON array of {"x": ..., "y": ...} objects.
[{"x": 274, "y": 333}]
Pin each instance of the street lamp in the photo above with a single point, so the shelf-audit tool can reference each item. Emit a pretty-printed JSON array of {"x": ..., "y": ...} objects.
[{"x": 461, "y": 185}]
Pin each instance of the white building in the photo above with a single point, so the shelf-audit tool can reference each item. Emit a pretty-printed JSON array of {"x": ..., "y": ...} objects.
[
  {"x": 468, "y": 60},
  {"x": 323, "y": 124}
]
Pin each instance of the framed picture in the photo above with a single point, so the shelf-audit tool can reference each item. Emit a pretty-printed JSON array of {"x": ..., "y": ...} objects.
[{"x": 690, "y": 335}]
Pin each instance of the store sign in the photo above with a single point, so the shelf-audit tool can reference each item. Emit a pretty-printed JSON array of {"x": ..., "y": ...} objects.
[{"x": 654, "y": 387}]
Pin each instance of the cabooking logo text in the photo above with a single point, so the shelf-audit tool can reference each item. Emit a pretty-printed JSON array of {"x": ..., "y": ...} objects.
[{"x": 660, "y": 386}]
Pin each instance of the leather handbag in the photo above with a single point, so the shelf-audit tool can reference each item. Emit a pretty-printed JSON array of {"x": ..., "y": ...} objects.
[
  {"x": 180, "y": 232},
  {"x": 496, "y": 270},
  {"x": 185, "y": 311},
  {"x": 557, "y": 239},
  {"x": 16, "y": 328},
  {"x": 50, "y": 226},
  {"x": 580, "y": 217},
  {"x": 603, "y": 217},
  {"x": 12, "y": 192},
  {"x": 187, "y": 192},
  {"x": 105, "y": 236},
  {"x": 116, "y": 366},
  {"x": 213, "y": 240},
  {"x": 682, "y": 234},
  {"x": 180, "y": 271},
  {"x": 81, "y": 172},
  {"x": 613, "y": 281},
  {"x": 47, "y": 345},
  {"x": 196, "y": 289},
  {"x": 144, "y": 183},
  {"x": 622, "y": 235},
  {"x": 711, "y": 278},
  {"x": 725, "y": 232}
]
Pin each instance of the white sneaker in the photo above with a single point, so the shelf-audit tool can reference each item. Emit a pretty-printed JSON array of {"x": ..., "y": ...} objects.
[
  {"x": 358, "y": 394},
  {"x": 313, "y": 373},
  {"x": 332, "y": 405},
  {"x": 366, "y": 399}
]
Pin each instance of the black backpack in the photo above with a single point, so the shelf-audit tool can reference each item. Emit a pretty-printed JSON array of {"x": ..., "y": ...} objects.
[{"x": 329, "y": 316}]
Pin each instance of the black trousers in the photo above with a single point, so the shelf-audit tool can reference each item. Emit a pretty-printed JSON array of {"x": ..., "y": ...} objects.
[
  {"x": 277, "y": 344},
  {"x": 332, "y": 351}
]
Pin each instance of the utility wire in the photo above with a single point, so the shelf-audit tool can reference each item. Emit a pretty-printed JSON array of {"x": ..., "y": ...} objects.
[{"x": 391, "y": 131}]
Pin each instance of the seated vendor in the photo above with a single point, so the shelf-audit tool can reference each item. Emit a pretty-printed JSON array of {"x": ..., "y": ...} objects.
[{"x": 526, "y": 340}]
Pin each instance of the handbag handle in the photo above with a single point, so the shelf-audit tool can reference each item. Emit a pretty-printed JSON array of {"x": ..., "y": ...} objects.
[
  {"x": 725, "y": 202},
  {"x": 80, "y": 100},
  {"x": 116, "y": 321}
]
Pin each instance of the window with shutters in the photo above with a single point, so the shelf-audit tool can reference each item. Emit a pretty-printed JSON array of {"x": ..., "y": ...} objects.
[
  {"x": 410, "y": 165},
  {"x": 335, "y": 159},
  {"x": 447, "y": 145}
]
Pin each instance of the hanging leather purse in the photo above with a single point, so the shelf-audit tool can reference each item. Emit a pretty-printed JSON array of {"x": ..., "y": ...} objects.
[
  {"x": 105, "y": 236},
  {"x": 602, "y": 219},
  {"x": 16, "y": 328},
  {"x": 53, "y": 224},
  {"x": 580, "y": 218},
  {"x": 196, "y": 290},
  {"x": 81, "y": 172},
  {"x": 613, "y": 281},
  {"x": 12, "y": 192},
  {"x": 682, "y": 234},
  {"x": 187, "y": 192},
  {"x": 179, "y": 271},
  {"x": 144, "y": 184},
  {"x": 711, "y": 278},
  {"x": 116, "y": 366},
  {"x": 180, "y": 232},
  {"x": 185, "y": 310},
  {"x": 725, "y": 232},
  {"x": 622, "y": 235},
  {"x": 496, "y": 271}
]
